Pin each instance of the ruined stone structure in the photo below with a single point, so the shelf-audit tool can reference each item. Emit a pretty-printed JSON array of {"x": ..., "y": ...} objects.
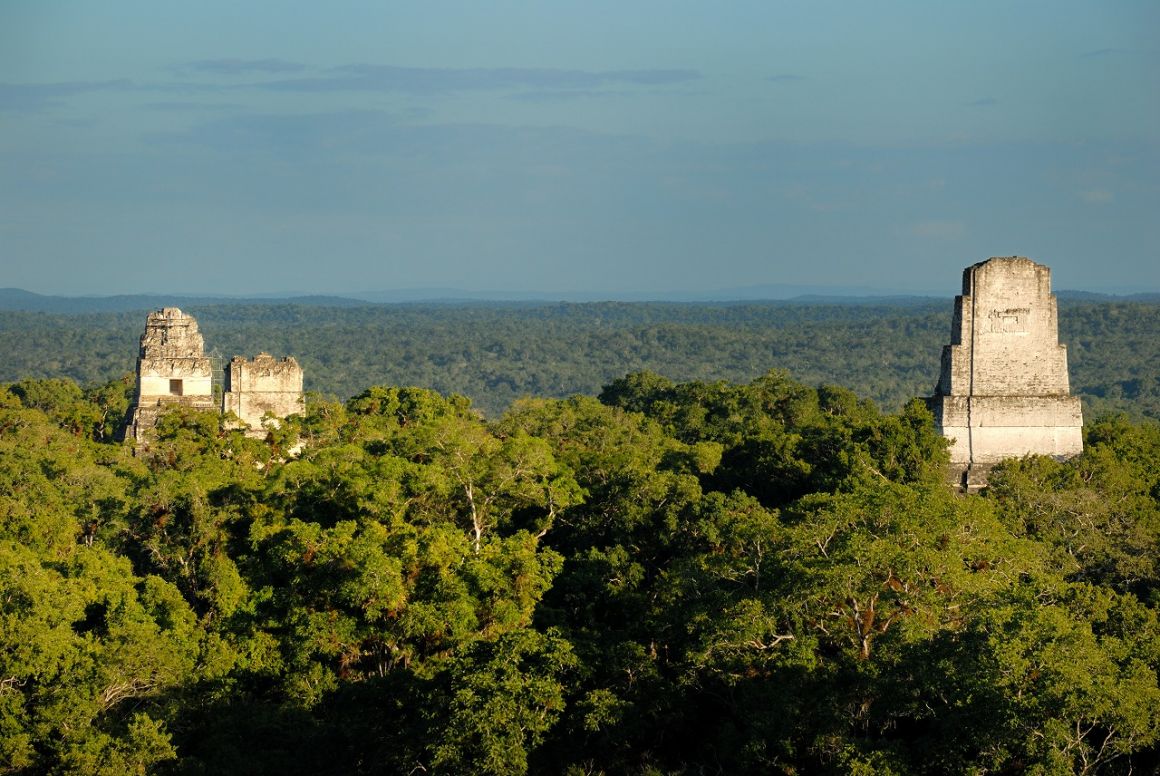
[
  {"x": 172, "y": 368},
  {"x": 1003, "y": 389},
  {"x": 264, "y": 385}
]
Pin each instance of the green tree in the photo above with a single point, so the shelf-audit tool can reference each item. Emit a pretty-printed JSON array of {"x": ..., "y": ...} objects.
[
  {"x": 86, "y": 647},
  {"x": 504, "y": 696}
]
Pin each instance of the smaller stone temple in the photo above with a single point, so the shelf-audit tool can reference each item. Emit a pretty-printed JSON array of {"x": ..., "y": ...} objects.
[
  {"x": 1003, "y": 389},
  {"x": 173, "y": 369},
  {"x": 265, "y": 385}
]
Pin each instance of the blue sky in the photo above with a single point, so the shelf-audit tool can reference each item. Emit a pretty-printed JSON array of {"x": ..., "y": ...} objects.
[{"x": 606, "y": 148}]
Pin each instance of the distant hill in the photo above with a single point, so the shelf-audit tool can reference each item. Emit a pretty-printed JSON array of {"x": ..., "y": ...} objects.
[
  {"x": 1092, "y": 296},
  {"x": 759, "y": 293},
  {"x": 17, "y": 299}
]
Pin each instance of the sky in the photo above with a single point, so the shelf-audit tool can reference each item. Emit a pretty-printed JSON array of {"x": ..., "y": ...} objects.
[{"x": 603, "y": 148}]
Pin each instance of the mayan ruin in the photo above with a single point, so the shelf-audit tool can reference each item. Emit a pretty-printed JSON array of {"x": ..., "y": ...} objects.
[
  {"x": 173, "y": 369},
  {"x": 1003, "y": 389},
  {"x": 263, "y": 387}
]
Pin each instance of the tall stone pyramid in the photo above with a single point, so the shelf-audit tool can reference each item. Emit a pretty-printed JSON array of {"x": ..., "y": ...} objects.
[
  {"x": 172, "y": 368},
  {"x": 1003, "y": 389}
]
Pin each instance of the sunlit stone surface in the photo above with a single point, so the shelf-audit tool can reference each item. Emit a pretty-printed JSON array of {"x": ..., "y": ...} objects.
[{"x": 1003, "y": 389}]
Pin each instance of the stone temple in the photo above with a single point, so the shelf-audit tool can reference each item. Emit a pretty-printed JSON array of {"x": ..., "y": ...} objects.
[
  {"x": 1003, "y": 389},
  {"x": 173, "y": 369},
  {"x": 265, "y": 385}
]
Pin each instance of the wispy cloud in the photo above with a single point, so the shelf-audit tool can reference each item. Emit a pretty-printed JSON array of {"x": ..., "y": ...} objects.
[
  {"x": 34, "y": 97},
  {"x": 234, "y": 67},
  {"x": 193, "y": 107},
  {"x": 427, "y": 80},
  {"x": 273, "y": 132},
  {"x": 785, "y": 78},
  {"x": 1104, "y": 52},
  {"x": 982, "y": 102},
  {"x": 539, "y": 84},
  {"x": 939, "y": 230},
  {"x": 1096, "y": 196},
  {"x": 558, "y": 95},
  {"x": 23, "y": 97},
  {"x": 365, "y": 133}
]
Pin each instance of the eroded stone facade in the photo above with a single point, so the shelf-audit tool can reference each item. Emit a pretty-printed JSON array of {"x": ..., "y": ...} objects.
[
  {"x": 1003, "y": 388},
  {"x": 264, "y": 385},
  {"x": 172, "y": 368}
]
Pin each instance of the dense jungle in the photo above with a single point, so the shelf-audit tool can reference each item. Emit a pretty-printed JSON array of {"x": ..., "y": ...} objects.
[
  {"x": 689, "y": 577},
  {"x": 635, "y": 549},
  {"x": 887, "y": 351}
]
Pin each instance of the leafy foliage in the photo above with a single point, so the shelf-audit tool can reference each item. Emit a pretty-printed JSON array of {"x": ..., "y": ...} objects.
[{"x": 756, "y": 577}]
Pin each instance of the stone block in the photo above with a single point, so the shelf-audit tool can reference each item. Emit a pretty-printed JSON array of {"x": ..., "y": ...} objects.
[
  {"x": 1003, "y": 388},
  {"x": 264, "y": 385}
]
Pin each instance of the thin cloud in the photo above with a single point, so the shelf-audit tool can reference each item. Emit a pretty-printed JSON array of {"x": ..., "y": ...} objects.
[
  {"x": 939, "y": 230},
  {"x": 1104, "y": 52},
  {"x": 557, "y": 96},
  {"x": 1096, "y": 196},
  {"x": 983, "y": 102},
  {"x": 23, "y": 97},
  {"x": 426, "y": 80},
  {"x": 785, "y": 78},
  {"x": 540, "y": 82},
  {"x": 362, "y": 133},
  {"x": 234, "y": 67},
  {"x": 192, "y": 107},
  {"x": 35, "y": 97},
  {"x": 273, "y": 132}
]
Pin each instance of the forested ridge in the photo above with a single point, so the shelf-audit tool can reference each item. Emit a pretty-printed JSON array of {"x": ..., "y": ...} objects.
[
  {"x": 670, "y": 578},
  {"x": 498, "y": 353}
]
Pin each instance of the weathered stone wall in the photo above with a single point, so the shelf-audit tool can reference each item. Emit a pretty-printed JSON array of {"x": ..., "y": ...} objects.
[
  {"x": 1004, "y": 341},
  {"x": 1003, "y": 387},
  {"x": 987, "y": 429},
  {"x": 264, "y": 385},
  {"x": 172, "y": 368}
]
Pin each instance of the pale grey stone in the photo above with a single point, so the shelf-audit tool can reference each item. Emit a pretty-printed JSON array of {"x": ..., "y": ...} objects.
[{"x": 1003, "y": 389}]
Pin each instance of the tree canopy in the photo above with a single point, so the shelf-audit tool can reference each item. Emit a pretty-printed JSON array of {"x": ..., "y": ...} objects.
[{"x": 673, "y": 577}]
